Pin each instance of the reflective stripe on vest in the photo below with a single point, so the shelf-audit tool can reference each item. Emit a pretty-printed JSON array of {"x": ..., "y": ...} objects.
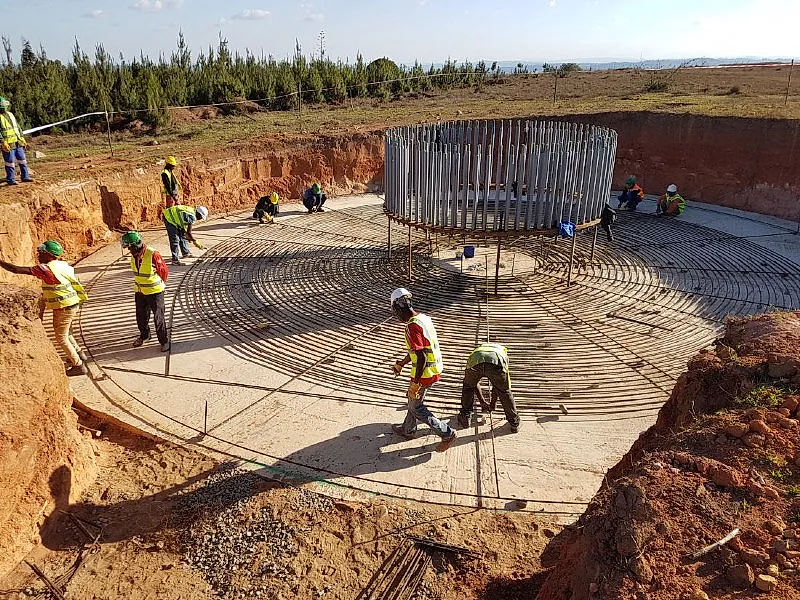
[
  {"x": 10, "y": 128},
  {"x": 68, "y": 292},
  {"x": 433, "y": 355},
  {"x": 171, "y": 177},
  {"x": 146, "y": 280},
  {"x": 173, "y": 215}
]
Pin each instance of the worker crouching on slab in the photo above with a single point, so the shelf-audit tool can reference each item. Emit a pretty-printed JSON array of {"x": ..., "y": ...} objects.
[
  {"x": 631, "y": 196},
  {"x": 149, "y": 278},
  {"x": 267, "y": 208},
  {"x": 62, "y": 293},
  {"x": 490, "y": 361},
  {"x": 178, "y": 220},
  {"x": 671, "y": 203},
  {"x": 423, "y": 353},
  {"x": 314, "y": 198}
]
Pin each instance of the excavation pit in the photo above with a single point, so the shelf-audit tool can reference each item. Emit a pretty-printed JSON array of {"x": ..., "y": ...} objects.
[{"x": 282, "y": 343}]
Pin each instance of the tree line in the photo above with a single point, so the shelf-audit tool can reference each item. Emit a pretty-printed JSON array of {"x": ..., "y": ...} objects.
[{"x": 46, "y": 91}]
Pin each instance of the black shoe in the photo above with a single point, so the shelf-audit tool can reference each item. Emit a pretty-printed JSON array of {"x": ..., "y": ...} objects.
[
  {"x": 463, "y": 420},
  {"x": 77, "y": 370},
  {"x": 139, "y": 341},
  {"x": 514, "y": 428},
  {"x": 12, "y": 183},
  {"x": 177, "y": 263},
  {"x": 261, "y": 221},
  {"x": 320, "y": 209},
  {"x": 28, "y": 180},
  {"x": 310, "y": 210},
  {"x": 398, "y": 429},
  {"x": 165, "y": 347}
]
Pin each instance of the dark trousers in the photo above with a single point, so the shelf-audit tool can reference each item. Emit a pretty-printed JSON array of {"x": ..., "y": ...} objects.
[
  {"x": 314, "y": 201},
  {"x": 177, "y": 241},
  {"x": 146, "y": 304},
  {"x": 270, "y": 209},
  {"x": 501, "y": 386},
  {"x": 629, "y": 200}
]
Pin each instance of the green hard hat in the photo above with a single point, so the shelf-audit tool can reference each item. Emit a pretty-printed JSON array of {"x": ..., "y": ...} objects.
[
  {"x": 630, "y": 180},
  {"x": 315, "y": 188},
  {"x": 4, "y": 103},
  {"x": 131, "y": 239},
  {"x": 51, "y": 247}
]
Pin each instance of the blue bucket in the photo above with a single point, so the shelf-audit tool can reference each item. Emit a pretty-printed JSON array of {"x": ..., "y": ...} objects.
[{"x": 469, "y": 251}]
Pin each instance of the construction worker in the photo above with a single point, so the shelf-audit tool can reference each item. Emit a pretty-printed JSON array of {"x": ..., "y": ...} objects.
[
  {"x": 490, "y": 361},
  {"x": 423, "y": 353},
  {"x": 13, "y": 145},
  {"x": 313, "y": 198},
  {"x": 631, "y": 195},
  {"x": 178, "y": 220},
  {"x": 62, "y": 293},
  {"x": 170, "y": 186},
  {"x": 149, "y": 276},
  {"x": 267, "y": 207},
  {"x": 671, "y": 203}
]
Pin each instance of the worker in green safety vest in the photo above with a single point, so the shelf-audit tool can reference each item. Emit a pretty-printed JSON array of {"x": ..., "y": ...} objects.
[
  {"x": 178, "y": 220},
  {"x": 490, "y": 361}
]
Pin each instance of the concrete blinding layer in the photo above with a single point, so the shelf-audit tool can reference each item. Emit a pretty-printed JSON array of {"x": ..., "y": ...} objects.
[{"x": 492, "y": 176}]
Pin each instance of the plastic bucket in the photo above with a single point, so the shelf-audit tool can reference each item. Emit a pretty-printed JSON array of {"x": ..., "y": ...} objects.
[{"x": 469, "y": 251}]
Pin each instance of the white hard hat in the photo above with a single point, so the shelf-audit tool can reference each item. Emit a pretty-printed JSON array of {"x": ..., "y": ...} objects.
[
  {"x": 672, "y": 188},
  {"x": 397, "y": 294},
  {"x": 202, "y": 212}
]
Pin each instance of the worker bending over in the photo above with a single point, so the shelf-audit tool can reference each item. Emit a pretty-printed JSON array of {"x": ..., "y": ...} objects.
[
  {"x": 62, "y": 293},
  {"x": 671, "y": 203},
  {"x": 490, "y": 361},
  {"x": 149, "y": 278},
  {"x": 178, "y": 220},
  {"x": 423, "y": 353},
  {"x": 267, "y": 208}
]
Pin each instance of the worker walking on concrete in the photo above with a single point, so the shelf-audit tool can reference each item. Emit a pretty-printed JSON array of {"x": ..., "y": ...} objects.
[
  {"x": 423, "y": 353},
  {"x": 170, "y": 186},
  {"x": 13, "y": 144},
  {"x": 490, "y": 361},
  {"x": 671, "y": 203},
  {"x": 267, "y": 208},
  {"x": 149, "y": 278},
  {"x": 62, "y": 293},
  {"x": 178, "y": 220},
  {"x": 631, "y": 195},
  {"x": 313, "y": 199}
]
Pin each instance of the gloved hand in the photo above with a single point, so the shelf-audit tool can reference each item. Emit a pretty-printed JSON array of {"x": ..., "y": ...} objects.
[
  {"x": 198, "y": 245},
  {"x": 6, "y": 147},
  {"x": 397, "y": 368},
  {"x": 414, "y": 390},
  {"x": 22, "y": 142}
]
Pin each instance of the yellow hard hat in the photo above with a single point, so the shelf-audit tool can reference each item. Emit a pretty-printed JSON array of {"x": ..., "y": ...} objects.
[
  {"x": 273, "y": 197},
  {"x": 171, "y": 160}
]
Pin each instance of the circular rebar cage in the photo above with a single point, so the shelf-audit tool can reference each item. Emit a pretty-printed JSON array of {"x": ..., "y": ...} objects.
[{"x": 498, "y": 176}]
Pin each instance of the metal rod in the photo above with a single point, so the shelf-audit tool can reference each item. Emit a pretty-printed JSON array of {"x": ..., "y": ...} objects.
[
  {"x": 594, "y": 243},
  {"x": 389, "y": 238},
  {"x": 108, "y": 131},
  {"x": 571, "y": 257},
  {"x": 788, "y": 83},
  {"x": 410, "y": 258},
  {"x": 497, "y": 266},
  {"x": 205, "y": 419}
]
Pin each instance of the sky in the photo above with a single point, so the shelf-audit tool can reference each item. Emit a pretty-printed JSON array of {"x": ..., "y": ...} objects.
[{"x": 409, "y": 30}]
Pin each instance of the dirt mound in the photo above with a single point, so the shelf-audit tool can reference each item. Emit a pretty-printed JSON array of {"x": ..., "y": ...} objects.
[
  {"x": 723, "y": 455},
  {"x": 44, "y": 460}
]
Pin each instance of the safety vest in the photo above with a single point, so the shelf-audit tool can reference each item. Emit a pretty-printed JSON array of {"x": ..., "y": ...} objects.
[
  {"x": 173, "y": 215},
  {"x": 10, "y": 128},
  {"x": 171, "y": 176},
  {"x": 69, "y": 290},
  {"x": 491, "y": 353},
  {"x": 636, "y": 190},
  {"x": 433, "y": 355},
  {"x": 670, "y": 200},
  {"x": 146, "y": 279}
]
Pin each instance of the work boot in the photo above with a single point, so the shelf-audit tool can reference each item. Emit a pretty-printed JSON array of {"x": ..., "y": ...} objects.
[
  {"x": 320, "y": 209},
  {"x": 514, "y": 428},
  {"x": 15, "y": 183},
  {"x": 463, "y": 420},
  {"x": 188, "y": 255},
  {"x": 177, "y": 263},
  {"x": 28, "y": 180},
  {"x": 77, "y": 370},
  {"x": 398, "y": 429},
  {"x": 165, "y": 347},
  {"x": 446, "y": 443},
  {"x": 139, "y": 341}
]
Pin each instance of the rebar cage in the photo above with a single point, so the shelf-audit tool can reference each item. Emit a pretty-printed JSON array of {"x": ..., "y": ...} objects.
[{"x": 493, "y": 177}]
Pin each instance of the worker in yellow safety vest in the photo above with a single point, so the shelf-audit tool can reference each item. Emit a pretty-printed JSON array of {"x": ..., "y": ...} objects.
[
  {"x": 149, "y": 277},
  {"x": 170, "y": 186},
  {"x": 422, "y": 351},
  {"x": 490, "y": 361},
  {"x": 13, "y": 144},
  {"x": 671, "y": 203},
  {"x": 63, "y": 293},
  {"x": 178, "y": 220}
]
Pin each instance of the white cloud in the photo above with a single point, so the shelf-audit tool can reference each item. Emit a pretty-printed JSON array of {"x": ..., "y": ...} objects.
[
  {"x": 95, "y": 14},
  {"x": 315, "y": 16},
  {"x": 552, "y": 3},
  {"x": 156, "y": 5},
  {"x": 251, "y": 14}
]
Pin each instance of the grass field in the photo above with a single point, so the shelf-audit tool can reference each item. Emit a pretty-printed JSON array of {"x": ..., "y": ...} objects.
[{"x": 756, "y": 91}]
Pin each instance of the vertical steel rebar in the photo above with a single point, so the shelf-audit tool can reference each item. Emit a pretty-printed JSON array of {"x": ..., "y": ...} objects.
[
  {"x": 572, "y": 257},
  {"x": 410, "y": 258},
  {"x": 594, "y": 243},
  {"x": 497, "y": 265}
]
